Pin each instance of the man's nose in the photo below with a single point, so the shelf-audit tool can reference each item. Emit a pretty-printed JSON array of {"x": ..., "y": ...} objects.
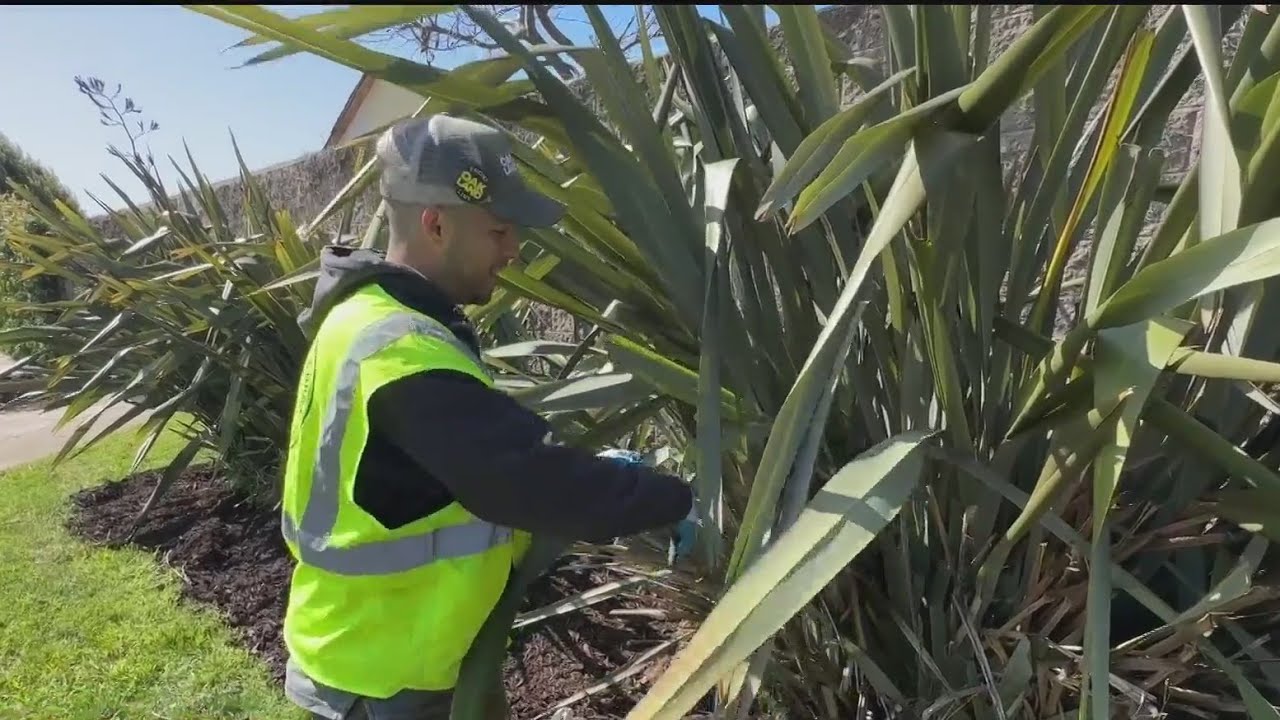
[{"x": 510, "y": 246}]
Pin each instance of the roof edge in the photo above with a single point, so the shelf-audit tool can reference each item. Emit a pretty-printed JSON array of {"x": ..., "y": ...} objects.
[{"x": 354, "y": 101}]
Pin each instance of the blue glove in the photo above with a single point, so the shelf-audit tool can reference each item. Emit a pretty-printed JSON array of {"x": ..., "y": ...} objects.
[
  {"x": 625, "y": 457},
  {"x": 685, "y": 534}
]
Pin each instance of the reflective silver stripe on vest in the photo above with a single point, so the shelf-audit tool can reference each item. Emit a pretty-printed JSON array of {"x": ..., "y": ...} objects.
[
  {"x": 321, "y": 514},
  {"x": 406, "y": 553}
]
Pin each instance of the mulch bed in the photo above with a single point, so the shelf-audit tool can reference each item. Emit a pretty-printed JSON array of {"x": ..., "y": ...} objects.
[{"x": 230, "y": 555}]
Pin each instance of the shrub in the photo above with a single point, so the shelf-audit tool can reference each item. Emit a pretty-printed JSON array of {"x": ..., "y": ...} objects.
[
  {"x": 16, "y": 167},
  {"x": 16, "y": 293},
  {"x": 15, "y": 214}
]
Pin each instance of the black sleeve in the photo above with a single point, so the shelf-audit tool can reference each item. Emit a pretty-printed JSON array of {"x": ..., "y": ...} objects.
[{"x": 490, "y": 452}]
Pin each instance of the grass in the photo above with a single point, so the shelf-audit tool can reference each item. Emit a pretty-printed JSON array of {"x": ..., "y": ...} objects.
[{"x": 95, "y": 633}]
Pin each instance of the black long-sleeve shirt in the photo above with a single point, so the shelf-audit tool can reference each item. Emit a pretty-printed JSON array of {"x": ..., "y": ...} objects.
[{"x": 440, "y": 435}]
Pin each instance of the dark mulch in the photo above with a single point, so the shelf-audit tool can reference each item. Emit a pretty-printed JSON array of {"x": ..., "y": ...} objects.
[{"x": 230, "y": 555}]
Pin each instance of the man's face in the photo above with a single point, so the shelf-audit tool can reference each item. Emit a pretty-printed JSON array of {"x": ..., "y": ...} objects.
[{"x": 475, "y": 247}]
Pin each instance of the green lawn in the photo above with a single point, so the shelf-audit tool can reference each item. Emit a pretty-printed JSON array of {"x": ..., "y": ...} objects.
[{"x": 95, "y": 633}]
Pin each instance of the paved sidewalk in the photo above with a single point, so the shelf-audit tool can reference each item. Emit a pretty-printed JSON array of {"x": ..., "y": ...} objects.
[{"x": 28, "y": 434}]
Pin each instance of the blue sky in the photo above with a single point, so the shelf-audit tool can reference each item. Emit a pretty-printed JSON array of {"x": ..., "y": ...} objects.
[{"x": 175, "y": 65}]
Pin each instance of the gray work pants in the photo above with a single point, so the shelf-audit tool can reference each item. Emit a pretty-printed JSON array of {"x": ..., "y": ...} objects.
[{"x": 330, "y": 703}]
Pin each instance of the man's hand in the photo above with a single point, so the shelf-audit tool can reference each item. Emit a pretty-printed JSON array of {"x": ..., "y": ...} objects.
[
  {"x": 624, "y": 457},
  {"x": 685, "y": 534}
]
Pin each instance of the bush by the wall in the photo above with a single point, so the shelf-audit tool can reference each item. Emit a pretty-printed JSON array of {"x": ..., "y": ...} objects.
[
  {"x": 16, "y": 167},
  {"x": 17, "y": 294}
]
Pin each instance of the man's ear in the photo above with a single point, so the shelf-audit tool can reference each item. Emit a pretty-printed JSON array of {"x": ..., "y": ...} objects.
[{"x": 430, "y": 220}]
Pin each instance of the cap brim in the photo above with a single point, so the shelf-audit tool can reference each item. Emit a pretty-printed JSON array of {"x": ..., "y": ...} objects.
[{"x": 527, "y": 208}]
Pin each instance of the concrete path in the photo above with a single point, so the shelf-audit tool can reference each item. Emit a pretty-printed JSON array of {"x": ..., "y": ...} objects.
[{"x": 28, "y": 434}]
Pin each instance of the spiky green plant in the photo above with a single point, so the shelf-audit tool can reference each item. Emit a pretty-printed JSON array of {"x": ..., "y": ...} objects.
[
  {"x": 172, "y": 320},
  {"x": 190, "y": 314},
  {"x": 14, "y": 215},
  {"x": 916, "y": 498},
  {"x": 16, "y": 167}
]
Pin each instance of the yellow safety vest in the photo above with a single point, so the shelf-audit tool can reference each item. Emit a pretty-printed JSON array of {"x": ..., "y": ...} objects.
[{"x": 373, "y": 611}]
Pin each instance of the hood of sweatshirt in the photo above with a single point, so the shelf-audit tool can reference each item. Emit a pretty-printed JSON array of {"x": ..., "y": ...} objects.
[{"x": 343, "y": 270}]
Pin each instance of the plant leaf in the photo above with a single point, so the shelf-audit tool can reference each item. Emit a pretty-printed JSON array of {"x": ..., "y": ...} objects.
[
  {"x": 841, "y": 520},
  {"x": 1244, "y": 255}
]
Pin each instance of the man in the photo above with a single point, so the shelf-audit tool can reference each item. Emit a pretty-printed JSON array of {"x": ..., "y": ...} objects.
[{"x": 409, "y": 479}]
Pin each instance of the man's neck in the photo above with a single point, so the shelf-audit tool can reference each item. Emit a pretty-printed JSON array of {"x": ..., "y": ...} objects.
[
  {"x": 399, "y": 256},
  {"x": 419, "y": 292}
]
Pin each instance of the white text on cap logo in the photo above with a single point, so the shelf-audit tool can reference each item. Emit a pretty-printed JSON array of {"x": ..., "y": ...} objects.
[{"x": 508, "y": 164}]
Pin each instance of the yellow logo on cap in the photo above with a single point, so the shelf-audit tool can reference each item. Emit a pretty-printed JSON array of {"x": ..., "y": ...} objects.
[{"x": 473, "y": 185}]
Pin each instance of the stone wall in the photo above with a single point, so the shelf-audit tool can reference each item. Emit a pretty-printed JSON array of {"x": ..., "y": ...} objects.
[{"x": 303, "y": 187}]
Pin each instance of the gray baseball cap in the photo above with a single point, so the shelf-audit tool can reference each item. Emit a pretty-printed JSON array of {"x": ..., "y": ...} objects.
[{"x": 444, "y": 160}]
